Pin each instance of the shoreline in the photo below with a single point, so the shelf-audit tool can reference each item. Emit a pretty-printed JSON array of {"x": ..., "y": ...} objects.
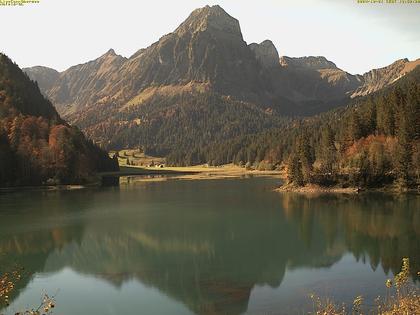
[
  {"x": 201, "y": 172},
  {"x": 317, "y": 189},
  {"x": 45, "y": 188},
  {"x": 225, "y": 170},
  {"x": 181, "y": 173}
]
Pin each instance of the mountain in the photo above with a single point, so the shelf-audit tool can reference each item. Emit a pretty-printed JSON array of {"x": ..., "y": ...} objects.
[
  {"x": 308, "y": 63},
  {"x": 124, "y": 102},
  {"x": 71, "y": 88},
  {"x": 45, "y": 77},
  {"x": 36, "y": 145},
  {"x": 319, "y": 78},
  {"x": 371, "y": 142},
  {"x": 203, "y": 75},
  {"x": 207, "y": 50},
  {"x": 315, "y": 83},
  {"x": 377, "y": 79},
  {"x": 266, "y": 54}
]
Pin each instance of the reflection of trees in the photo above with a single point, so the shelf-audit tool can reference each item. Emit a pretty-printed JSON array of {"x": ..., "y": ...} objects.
[
  {"x": 30, "y": 251},
  {"x": 208, "y": 262},
  {"x": 26, "y": 241},
  {"x": 376, "y": 227},
  {"x": 208, "y": 258}
]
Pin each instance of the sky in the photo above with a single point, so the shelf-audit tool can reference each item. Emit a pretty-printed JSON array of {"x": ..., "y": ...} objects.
[{"x": 357, "y": 37}]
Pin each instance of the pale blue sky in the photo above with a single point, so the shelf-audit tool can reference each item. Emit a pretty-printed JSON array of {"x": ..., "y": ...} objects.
[{"x": 357, "y": 37}]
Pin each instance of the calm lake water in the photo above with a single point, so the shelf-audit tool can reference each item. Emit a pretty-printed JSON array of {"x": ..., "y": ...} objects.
[{"x": 229, "y": 246}]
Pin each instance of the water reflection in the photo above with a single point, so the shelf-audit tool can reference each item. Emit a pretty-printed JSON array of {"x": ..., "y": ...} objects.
[
  {"x": 378, "y": 228},
  {"x": 206, "y": 244}
]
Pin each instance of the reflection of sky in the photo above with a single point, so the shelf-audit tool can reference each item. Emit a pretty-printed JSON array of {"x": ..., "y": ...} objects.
[
  {"x": 356, "y": 37},
  {"x": 83, "y": 294},
  {"x": 199, "y": 244},
  {"x": 343, "y": 282}
]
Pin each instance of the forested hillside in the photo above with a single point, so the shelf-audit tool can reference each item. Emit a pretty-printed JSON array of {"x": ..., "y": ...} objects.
[
  {"x": 36, "y": 145},
  {"x": 179, "y": 126},
  {"x": 373, "y": 141}
]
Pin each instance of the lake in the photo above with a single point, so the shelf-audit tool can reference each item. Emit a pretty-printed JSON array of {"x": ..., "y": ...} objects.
[{"x": 220, "y": 246}]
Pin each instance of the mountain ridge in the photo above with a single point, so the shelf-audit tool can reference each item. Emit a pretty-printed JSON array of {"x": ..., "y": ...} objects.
[
  {"x": 205, "y": 58},
  {"x": 57, "y": 85}
]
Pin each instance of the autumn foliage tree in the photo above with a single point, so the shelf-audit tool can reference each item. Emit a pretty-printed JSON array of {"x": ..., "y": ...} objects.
[{"x": 36, "y": 145}]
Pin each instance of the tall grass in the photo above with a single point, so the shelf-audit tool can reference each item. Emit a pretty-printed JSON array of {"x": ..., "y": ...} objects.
[
  {"x": 402, "y": 298},
  {"x": 8, "y": 283}
]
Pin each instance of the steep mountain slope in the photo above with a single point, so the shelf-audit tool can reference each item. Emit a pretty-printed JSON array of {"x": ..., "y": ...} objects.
[
  {"x": 44, "y": 76},
  {"x": 266, "y": 53},
  {"x": 80, "y": 85},
  {"x": 377, "y": 79},
  {"x": 36, "y": 145},
  {"x": 207, "y": 48},
  {"x": 319, "y": 78},
  {"x": 203, "y": 74},
  {"x": 176, "y": 123}
]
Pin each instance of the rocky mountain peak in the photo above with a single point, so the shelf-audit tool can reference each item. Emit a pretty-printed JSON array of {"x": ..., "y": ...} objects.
[
  {"x": 210, "y": 18},
  {"x": 377, "y": 79},
  {"x": 111, "y": 52},
  {"x": 207, "y": 52},
  {"x": 266, "y": 53},
  {"x": 110, "y": 55},
  {"x": 46, "y": 77},
  {"x": 310, "y": 62}
]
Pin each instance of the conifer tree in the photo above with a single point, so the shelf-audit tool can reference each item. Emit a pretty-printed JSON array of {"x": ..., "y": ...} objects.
[
  {"x": 403, "y": 158},
  {"x": 327, "y": 150},
  {"x": 294, "y": 170},
  {"x": 355, "y": 128}
]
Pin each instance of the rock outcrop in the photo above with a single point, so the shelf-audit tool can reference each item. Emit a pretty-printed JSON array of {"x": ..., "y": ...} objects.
[{"x": 266, "y": 53}]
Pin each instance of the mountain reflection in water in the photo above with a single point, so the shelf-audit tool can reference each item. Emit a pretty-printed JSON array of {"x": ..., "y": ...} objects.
[{"x": 206, "y": 244}]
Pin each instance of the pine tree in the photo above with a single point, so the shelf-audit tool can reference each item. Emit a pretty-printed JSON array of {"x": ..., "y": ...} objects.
[
  {"x": 327, "y": 150},
  {"x": 7, "y": 160},
  {"x": 385, "y": 117},
  {"x": 377, "y": 161},
  {"x": 294, "y": 170},
  {"x": 370, "y": 119},
  {"x": 404, "y": 152},
  {"x": 305, "y": 157},
  {"x": 355, "y": 128}
]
